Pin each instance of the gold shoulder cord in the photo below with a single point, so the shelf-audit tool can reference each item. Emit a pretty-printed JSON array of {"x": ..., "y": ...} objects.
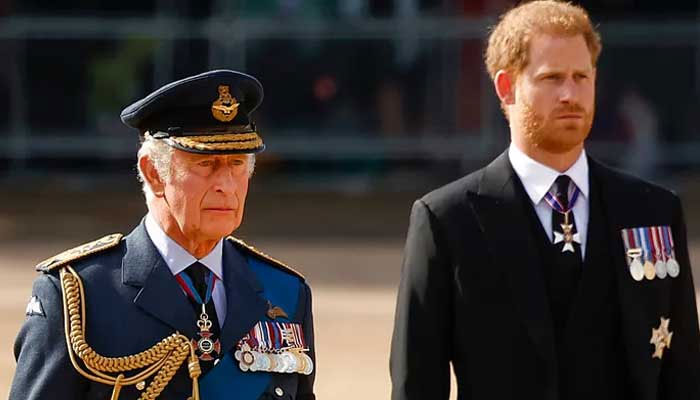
[{"x": 163, "y": 359}]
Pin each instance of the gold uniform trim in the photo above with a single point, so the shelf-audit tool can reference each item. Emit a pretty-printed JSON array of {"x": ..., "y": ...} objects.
[
  {"x": 246, "y": 141},
  {"x": 160, "y": 362},
  {"x": 79, "y": 252},
  {"x": 264, "y": 256},
  {"x": 226, "y": 137}
]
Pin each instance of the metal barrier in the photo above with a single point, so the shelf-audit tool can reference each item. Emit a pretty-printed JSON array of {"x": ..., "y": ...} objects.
[{"x": 230, "y": 42}]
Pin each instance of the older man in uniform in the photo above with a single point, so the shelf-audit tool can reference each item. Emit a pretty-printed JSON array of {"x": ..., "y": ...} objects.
[
  {"x": 177, "y": 308},
  {"x": 546, "y": 275}
]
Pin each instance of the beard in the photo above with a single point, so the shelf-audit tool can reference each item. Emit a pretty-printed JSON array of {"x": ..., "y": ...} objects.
[{"x": 556, "y": 136}]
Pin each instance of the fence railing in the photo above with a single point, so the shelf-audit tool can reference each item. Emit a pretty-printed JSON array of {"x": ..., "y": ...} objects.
[{"x": 230, "y": 41}]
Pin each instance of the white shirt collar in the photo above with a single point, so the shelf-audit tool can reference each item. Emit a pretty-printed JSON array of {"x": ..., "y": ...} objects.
[
  {"x": 178, "y": 258},
  {"x": 538, "y": 178}
]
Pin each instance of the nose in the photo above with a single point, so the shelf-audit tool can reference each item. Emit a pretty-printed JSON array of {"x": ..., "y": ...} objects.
[
  {"x": 568, "y": 92},
  {"x": 226, "y": 185},
  {"x": 225, "y": 182}
]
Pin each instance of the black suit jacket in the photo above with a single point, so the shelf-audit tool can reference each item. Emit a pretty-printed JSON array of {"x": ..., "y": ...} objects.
[
  {"x": 472, "y": 294},
  {"x": 132, "y": 302}
]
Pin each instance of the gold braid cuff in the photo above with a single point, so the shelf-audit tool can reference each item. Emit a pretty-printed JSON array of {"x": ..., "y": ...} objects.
[{"x": 162, "y": 360}]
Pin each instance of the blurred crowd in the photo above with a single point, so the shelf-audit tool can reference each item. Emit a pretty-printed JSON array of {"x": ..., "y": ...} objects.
[{"x": 398, "y": 81}]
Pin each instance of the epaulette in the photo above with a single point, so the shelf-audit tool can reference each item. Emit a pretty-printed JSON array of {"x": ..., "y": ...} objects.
[
  {"x": 277, "y": 263},
  {"x": 79, "y": 252}
]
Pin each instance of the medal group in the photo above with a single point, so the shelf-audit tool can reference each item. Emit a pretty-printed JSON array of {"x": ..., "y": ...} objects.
[
  {"x": 650, "y": 252},
  {"x": 274, "y": 347}
]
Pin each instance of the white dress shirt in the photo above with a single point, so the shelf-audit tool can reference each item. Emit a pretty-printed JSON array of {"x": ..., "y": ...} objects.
[
  {"x": 178, "y": 259},
  {"x": 538, "y": 179}
]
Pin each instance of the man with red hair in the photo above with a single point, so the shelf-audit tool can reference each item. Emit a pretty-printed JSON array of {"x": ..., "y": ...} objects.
[{"x": 546, "y": 275}]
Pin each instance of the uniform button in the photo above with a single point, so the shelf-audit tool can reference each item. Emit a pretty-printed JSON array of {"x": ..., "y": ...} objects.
[{"x": 279, "y": 392}]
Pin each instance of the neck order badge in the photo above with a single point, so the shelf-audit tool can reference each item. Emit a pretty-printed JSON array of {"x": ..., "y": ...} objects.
[
  {"x": 567, "y": 234},
  {"x": 206, "y": 345}
]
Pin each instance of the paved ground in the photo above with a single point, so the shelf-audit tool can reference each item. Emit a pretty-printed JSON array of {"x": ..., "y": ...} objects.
[{"x": 354, "y": 292}]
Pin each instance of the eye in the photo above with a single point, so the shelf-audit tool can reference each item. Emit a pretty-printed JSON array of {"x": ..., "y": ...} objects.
[
  {"x": 205, "y": 163},
  {"x": 580, "y": 76}
]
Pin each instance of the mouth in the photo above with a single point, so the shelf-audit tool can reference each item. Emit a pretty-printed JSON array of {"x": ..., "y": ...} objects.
[
  {"x": 219, "y": 209},
  {"x": 570, "y": 116}
]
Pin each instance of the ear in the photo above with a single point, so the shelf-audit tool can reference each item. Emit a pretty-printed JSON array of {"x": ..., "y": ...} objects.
[
  {"x": 151, "y": 176},
  {"x": 505, "y": 87}
]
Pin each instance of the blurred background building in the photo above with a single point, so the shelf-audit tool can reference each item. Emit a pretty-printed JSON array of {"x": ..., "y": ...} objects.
[
  {"x": 361, "y": 95},
  {"x": 369, "y": 104}
]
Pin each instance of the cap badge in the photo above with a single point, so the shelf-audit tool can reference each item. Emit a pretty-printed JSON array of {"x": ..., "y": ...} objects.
[{"x": 225, "y": 107}]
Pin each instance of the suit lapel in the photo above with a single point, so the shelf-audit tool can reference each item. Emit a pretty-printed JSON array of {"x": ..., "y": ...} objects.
[
  {"x": 245, "y": 305},
  {"x": 500, "y": 207},
  {"x": 637, "y": 316},
  {"x": 160, "y": 295},
  {"x": 596, "y": 278}
]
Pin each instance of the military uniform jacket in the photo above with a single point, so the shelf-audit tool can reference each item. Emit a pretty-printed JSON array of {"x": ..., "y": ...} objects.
[
  {"x": 472, "y": 295},
  {"x": 133, "y": 301}
]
